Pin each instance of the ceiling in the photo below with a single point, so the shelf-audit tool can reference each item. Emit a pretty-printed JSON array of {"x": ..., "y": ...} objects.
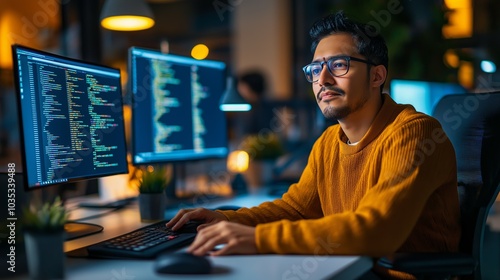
[{"x": 183, "y": 24}]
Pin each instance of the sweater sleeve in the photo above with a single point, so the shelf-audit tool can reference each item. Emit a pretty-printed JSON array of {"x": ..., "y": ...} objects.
[
  {"x": 299, "y": 202},
  {"x": 410, "y": 164}
]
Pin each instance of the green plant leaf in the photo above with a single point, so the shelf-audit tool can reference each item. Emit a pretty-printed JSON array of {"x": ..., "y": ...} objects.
[
  {"x": 154, "y": 181},
  {"x": 49, "y": 217}
]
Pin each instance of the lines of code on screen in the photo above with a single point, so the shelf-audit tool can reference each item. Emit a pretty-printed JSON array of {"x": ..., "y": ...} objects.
[
  {"x": 72, "y": 119},
  {"x": 175, "y": 106}
]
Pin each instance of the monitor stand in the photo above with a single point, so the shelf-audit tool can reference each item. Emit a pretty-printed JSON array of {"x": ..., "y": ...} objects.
[{"x": 80, "y": 229}]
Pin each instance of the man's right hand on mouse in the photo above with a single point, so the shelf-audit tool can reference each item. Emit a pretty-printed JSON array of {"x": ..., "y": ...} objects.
[{"x": 208, "y": 217}]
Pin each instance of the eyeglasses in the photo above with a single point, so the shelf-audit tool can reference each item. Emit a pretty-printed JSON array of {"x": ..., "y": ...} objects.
[{"x": 337, "y": 66}]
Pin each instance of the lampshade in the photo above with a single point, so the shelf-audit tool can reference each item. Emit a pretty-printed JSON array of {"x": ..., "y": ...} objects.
[
  {"x": 232, "y": 101},
  {"x": 126, "y": 15}
]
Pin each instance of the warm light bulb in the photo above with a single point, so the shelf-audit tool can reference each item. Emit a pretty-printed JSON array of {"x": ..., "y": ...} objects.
[
  {"x": 199, "y": 51},
  {"x": 237, "y": 161},
  {"x": 127, "y": 23}
]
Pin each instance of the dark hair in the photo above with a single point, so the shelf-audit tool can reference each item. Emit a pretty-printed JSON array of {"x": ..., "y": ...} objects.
[
  {"x": 369, "y": 42},
  {"x": 255, "y": 80}
]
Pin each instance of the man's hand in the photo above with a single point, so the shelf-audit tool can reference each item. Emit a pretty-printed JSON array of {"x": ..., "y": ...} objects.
[
  {"x": 238, "y": 239},
  {"x": 208, "y": 217}
]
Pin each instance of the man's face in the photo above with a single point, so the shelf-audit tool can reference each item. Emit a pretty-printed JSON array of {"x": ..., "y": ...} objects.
[{"x": 339, "y": 97}]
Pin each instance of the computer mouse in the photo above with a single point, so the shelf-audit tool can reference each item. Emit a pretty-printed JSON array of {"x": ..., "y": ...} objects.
[
  {"x": 228, "y": 207},
  {"x": 182, "y": 263}
]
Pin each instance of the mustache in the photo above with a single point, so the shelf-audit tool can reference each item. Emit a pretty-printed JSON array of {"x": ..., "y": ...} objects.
[{"x": 329, "y": 88}]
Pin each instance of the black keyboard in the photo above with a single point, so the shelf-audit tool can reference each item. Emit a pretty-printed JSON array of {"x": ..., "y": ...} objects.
[{"x": 144, "y": 243}]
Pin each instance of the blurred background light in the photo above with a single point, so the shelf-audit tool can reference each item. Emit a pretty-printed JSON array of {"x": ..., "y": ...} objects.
[
  {"x": 488, "y": 66},
  {"x": 451, "y": 59},
  {"x": 237, "y": 161},
  {"x": 459, "y": 19},
  {"x": 199, "y": 51}
]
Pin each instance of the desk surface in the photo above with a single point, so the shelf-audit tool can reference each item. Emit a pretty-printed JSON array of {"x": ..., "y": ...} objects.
[
  {"x": 229, "y": 267},
  {"x": 225, "y": 267}
]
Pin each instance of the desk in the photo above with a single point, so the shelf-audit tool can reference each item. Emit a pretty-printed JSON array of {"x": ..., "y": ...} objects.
[
  {"x": 225, "y": 267},
  {"x": 228, "y": 267}
]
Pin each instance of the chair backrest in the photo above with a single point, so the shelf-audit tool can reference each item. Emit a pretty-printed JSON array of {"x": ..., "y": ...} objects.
[{"x": 472, "y": 122}]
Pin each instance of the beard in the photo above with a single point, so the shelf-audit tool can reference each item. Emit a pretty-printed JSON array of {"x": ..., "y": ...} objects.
[
  {"x": 339, "y": 113},
  {"x": 332, "y": 113}
]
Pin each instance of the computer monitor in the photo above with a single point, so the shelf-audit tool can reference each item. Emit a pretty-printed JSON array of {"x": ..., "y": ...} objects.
[
  {"x": 422, "y": 95},
  {"x": 71, "y": 119},
  {"x": 175, "y": 108}
]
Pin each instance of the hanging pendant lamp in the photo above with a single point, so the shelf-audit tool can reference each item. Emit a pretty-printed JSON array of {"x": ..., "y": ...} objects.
[{"x": 126, "y": 15}]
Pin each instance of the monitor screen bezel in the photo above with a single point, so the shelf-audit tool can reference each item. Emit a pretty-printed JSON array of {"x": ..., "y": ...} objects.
[
  {"x": 15, "y": 61},
  {"x": 132, "y": 98}
]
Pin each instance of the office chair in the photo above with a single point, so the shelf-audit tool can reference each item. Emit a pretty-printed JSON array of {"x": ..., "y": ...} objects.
[{"x": 471, "y": 121}]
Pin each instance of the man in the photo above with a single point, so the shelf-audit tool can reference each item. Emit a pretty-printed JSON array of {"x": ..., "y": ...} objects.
[{"x": 381, "y": 181}]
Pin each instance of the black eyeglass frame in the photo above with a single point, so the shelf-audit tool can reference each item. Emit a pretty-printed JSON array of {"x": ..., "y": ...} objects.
[{"x": 325, "y": 61}]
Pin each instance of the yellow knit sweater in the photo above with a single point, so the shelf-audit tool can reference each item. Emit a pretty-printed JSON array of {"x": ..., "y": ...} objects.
[{"x": 395, "y": 191}]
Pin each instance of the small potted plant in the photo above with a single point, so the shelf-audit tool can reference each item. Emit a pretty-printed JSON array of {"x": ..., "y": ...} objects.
[
  {"x": 152, "y": 197},
  {"x": 44, "y": 232}
]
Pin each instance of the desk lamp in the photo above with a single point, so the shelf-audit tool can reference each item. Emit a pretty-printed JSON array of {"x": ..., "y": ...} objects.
[{"x": 237, "y": 163}]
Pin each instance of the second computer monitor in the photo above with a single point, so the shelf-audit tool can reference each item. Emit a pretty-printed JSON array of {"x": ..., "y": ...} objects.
[{"x": 175, "y": 107}]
